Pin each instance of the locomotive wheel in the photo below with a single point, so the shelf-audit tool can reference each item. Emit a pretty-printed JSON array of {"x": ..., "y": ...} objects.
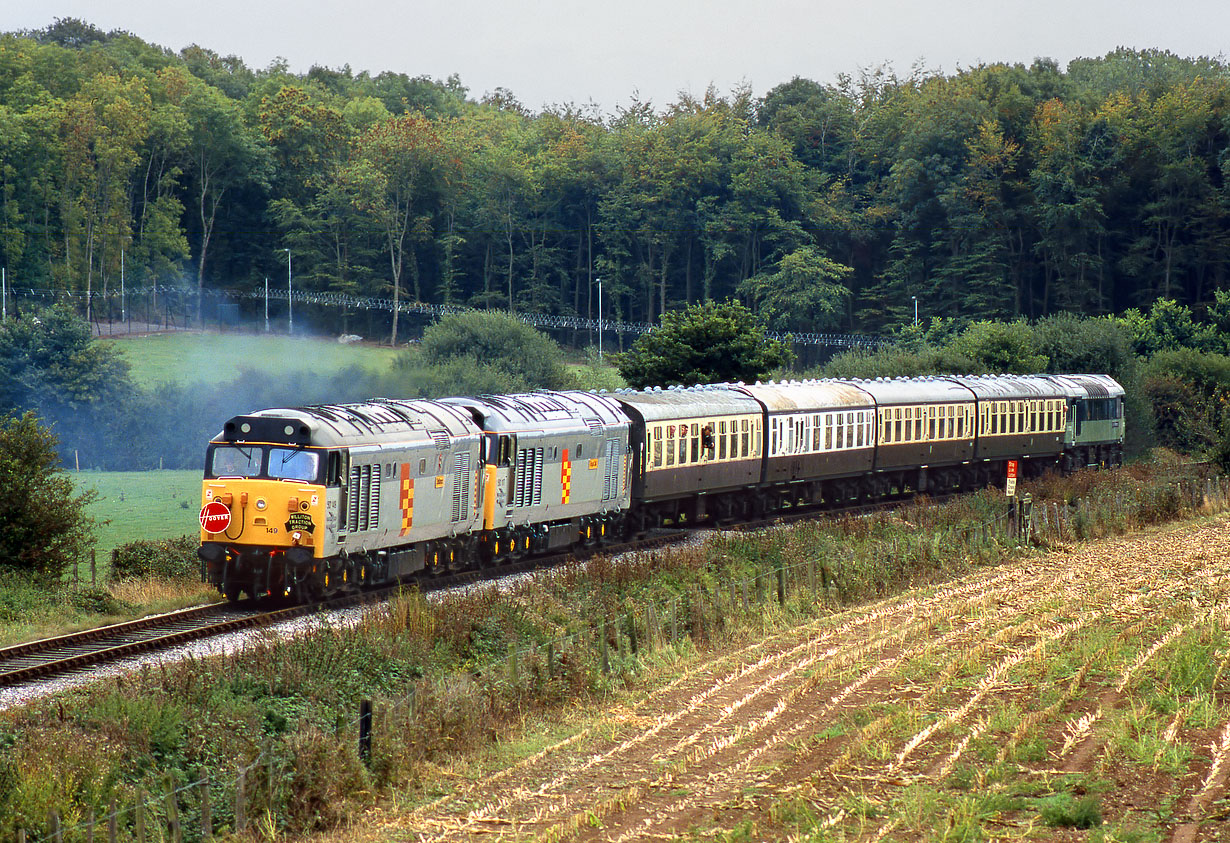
[{"x": 232, "y": 592}]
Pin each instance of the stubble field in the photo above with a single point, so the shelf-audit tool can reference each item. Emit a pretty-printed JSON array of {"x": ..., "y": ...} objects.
[{"x": 1078, "y": 695}]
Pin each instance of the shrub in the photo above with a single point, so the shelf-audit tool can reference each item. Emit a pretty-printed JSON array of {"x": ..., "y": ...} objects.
[
  {"x": 43, "y": 527},
  {"x": 172, "y": 559},
  {"x": 491, "y": 340}
]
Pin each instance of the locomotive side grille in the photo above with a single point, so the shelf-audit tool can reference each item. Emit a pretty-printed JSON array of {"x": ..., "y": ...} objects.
[
  {"x": 373, "y": 499},
  {"x": 528, "y": 490},
  {"x": 537, "y": 495},
  {"x": 364, "y": 508},
  {"x": 356, "y": 494},
  {"x": 610, "y": 482},
  {"x": 461, "y": 485}
]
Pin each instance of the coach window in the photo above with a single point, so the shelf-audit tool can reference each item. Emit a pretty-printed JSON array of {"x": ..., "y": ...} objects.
[{"x": 657, "y": 446}]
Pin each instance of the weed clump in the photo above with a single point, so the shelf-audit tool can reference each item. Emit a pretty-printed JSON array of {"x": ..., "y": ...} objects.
[{"x": 1063, "y": 810}]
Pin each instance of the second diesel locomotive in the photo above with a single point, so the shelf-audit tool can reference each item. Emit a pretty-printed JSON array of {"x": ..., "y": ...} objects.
[{"x": 305, "y": 502}]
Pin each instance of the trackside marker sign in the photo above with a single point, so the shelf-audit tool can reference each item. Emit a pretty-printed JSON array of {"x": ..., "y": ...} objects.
[
  {"x": 215, "y": 517},
  {"x": 1011, "y": 478}
]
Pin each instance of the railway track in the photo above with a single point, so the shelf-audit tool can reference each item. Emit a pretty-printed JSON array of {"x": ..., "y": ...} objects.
[{"x": 52, "y": 658}]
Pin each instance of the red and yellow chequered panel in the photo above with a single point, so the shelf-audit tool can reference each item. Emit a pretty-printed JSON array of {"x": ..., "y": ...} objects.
[
  {"x": 407, "y": 499},
  {"x": 565, "y": 478}
]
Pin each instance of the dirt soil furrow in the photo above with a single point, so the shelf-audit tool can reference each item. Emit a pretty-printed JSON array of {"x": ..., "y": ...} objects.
[{"x": 1071, "y": 693}]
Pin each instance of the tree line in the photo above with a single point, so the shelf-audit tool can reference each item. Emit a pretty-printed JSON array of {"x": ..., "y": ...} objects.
[{"x": 996, "y": 192}]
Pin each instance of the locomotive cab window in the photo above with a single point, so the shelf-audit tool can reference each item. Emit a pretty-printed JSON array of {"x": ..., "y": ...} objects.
[
  {"x": 235, "y": 461},
  {"x": 505, "y": 453},
  {"x": 292, "y": 464},
  {"x": 335, "y": 474}
]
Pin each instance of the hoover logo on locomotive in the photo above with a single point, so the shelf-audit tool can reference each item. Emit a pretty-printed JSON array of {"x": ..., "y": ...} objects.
[{"x": 215, "y": 517}]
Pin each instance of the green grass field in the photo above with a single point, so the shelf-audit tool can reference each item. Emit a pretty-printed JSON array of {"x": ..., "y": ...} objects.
[
  {"x": 190, "y": 358},
  {"x": 141, "y": 505}
]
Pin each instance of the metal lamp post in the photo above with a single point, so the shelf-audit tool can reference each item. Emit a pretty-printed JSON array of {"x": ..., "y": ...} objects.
[
  {"x": 290, "y": 296},
  {"x": 915, "y": 298},
  {"x": 599, "y": 320}
]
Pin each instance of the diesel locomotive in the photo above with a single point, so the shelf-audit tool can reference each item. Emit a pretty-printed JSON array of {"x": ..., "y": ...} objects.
[{"x": 305, "y": 502}]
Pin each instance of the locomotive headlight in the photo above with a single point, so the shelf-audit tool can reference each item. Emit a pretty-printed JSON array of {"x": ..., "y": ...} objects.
[{"x": 260, "y": 504}]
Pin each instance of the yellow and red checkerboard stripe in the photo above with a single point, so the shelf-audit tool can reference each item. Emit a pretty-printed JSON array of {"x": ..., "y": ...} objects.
[
  {"x": 565, "y": 478},
  {"x": 407, "y": 499}
]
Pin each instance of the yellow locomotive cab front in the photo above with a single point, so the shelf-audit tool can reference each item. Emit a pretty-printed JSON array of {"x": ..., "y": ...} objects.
[{"x": 263, "y": 513}]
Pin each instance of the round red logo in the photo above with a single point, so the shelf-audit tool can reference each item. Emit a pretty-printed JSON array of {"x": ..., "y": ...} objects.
[{"x": 215, "y": 517}]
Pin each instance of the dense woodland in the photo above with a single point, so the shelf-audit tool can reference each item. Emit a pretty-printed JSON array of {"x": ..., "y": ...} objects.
[{"x": 996, "y": 192}]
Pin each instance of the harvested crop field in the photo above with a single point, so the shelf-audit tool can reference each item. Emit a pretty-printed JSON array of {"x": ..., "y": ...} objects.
[{"x": 1069, "y": 696}]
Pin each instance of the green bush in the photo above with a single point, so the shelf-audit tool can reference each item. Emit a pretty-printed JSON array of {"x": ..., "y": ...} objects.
[
  {"x": 172, "y": 559},
  {"x": 477, "y": 342}
]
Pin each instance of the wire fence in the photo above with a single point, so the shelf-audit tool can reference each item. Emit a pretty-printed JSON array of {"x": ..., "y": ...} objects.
[{"x": 168, "y": 308}]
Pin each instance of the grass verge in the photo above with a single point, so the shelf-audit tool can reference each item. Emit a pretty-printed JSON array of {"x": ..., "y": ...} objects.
[{"x": 450, "y": 676}]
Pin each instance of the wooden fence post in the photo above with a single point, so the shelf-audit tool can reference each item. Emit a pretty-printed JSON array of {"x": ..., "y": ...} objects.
[
  {"x": 697, "y": 613},
  {"x": 207, "y": 822},
  {"x": 140, "y": 816},
  {"x": 651, "y": 618},
  {"x": 93, "y": 567},
  {"x": 632, "y": 634},
  {"x": 241, "y": 817},
  {"x": 53, "y": 821},
  {"x": 172, "y": 804},
  {"x": 113, "y": 822},
  {"x": 606, "y": 655},
  {"x": 675, "y": 621},
  {"x": 365, "y": 733},
  {"x": 550, "y": 659},
  {"x": 781, "y": 585}
]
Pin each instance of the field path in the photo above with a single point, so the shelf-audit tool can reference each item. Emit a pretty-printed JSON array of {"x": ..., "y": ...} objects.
[{"x": 999, "y": 701}]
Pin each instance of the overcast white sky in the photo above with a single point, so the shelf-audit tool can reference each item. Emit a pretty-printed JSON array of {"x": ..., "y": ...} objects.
[{"x": 554, "y": 51}]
